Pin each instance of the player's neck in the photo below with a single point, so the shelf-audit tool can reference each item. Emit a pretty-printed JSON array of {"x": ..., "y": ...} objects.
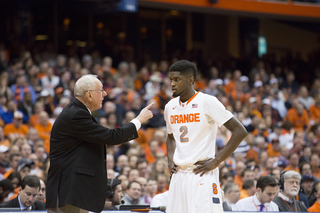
[{"x": 187, "y": 96}]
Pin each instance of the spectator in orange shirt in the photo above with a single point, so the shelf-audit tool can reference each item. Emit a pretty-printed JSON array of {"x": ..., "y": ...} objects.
[
  {"x": 315, "y": 163},
  {"x": 38, "y": 107},
  {"x": 248, "y": 188},
  {"x": 274, "y": 149},
  {"x": 299, "y": 118},
  {"x": 228, "y": 88},
  {"x": 16, "y": 126},
  {"x": 316, "y": 206},
  {"x": 240, "y": 166},
  {"x": 293, "y": 162},
  {"x": 315, "y": 111},
  {"x": 44, "y": 129},
  {"x": 162, "y": 182}
]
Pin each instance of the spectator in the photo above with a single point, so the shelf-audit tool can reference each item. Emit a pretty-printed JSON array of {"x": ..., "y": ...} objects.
[
  {"x": 27, "y": 199},
  {"x": 133, "y": 175},
  {"x": 152, "y": 187},
  {"x": 289, "y": 188},
  {"x": 231, "y": 194},
  {"x": 133, "y": 193},
  {"x": 20, "y": 88},
  {"x": 316, "y": 206},
  {"x": 293, "y": 163},
  {"x": 114, "y": 195},
  {"x": 4, "y": 158},
  {"x": 142, "y": 166},
  {"x": 16, "y": 127},
  {"x": 143, "y": 183},
  {"x": 262, "y": 200},
  {"x": 315, "y": 111},
  {"x": 305, "y": 168},
  {"x": 248, "y": 188},
  {"x": 42, "y": 192},
  {"x": 307, "y": 182},
  {"x": 13, "y": 161}
]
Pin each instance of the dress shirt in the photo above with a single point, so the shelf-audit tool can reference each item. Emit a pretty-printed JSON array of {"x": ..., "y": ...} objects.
[
  {"x": 253, "y": 204},
  {"x": 22, "y": 207}
]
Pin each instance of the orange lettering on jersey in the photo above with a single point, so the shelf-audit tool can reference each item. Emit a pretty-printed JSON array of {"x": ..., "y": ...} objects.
[
  {"x": 214, "y": 188},
  {"x": 185, "y": 118}
]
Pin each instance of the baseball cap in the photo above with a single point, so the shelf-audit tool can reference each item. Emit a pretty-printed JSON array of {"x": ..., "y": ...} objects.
[
  {"x": 44, "y": 93},
  {"x": 244, "y": 78},
  {"x": 3, "y": 148},
  {"x": 23, "y": 162},
  {"x": 252, "y": 100},
  {"x": 273, "y": 81},
  {"x": 281, "y": 164},
  {"x": 17, "y": 114},
  {"x": 218, "y": 81},
  {"x": 266, "y": 101},
  {"x": 307, "y": 177},
  {"x": 258, "y": 84}
]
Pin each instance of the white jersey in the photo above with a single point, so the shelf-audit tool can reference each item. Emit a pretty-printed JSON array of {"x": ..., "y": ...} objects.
[{"x": 194, "y": 125}]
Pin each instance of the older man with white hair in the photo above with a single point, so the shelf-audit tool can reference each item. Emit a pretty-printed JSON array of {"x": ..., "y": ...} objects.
[
  {"x": 289, "y": 189},
  {"x": 77, "y": 178}
]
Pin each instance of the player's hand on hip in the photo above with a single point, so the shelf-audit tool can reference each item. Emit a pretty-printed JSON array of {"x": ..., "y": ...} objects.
[
  {"x": 173, "y": 168},
  {"x": 204, "y": 166},
  {"x": 145, "y": 113}
]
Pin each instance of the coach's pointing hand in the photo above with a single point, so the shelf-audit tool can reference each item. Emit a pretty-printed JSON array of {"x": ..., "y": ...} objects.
[
  {"x": 145, "y": 114},
  {"x": 205, "y": 166}
]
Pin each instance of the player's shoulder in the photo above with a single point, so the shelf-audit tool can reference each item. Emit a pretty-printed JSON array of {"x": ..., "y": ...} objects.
[{"x": 173, "y": 101}]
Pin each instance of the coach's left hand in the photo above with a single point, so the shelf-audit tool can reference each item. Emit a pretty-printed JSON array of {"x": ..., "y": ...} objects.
[{"x": 205, "y": 166}]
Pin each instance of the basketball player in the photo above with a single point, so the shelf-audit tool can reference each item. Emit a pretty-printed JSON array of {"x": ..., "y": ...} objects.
[{"x": 192, "y": 120}]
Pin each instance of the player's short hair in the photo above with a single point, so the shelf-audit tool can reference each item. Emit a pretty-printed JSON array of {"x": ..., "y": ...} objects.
[{"x": 184, "y": 67}]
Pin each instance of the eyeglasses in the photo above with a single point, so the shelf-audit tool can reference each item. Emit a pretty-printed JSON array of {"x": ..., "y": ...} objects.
[
  {"x": 291, "y": 182},
  {"x": 100, "y": 90}
]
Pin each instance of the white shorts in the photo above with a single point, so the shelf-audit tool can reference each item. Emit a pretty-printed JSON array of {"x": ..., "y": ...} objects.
[{"x": 190, "y": 193}]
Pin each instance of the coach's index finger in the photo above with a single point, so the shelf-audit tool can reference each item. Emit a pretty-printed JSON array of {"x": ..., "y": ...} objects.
[{"x": 149, "y": 106}]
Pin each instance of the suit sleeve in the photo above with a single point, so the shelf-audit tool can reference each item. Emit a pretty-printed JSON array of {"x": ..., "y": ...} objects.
[{"x": 84, "y": 128}]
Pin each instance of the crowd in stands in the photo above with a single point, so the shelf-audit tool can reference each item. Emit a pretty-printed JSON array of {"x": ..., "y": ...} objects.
[{"x": 277, "y": 100}]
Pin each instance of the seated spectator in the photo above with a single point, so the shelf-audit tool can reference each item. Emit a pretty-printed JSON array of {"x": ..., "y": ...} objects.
[
  {"x": 16, "y": 127},
  {"x": 133, "y": 193},
  {"x": 152, "y": 187},
  {"x": 143, "y": 196},
  {"x": 114, "y": 194},
  {"x": 4, "y": 159},
  {"x": 27, "y": 199},
  {"x": 315, "y": 111},
  {"x": 5, "y": 188},
  {"x": 289, "y": 188},
  {"x": 262, "y": 200},
  {"x": 13, "y": 161},
  {"x": 42, "y": 192},
  {"x": 248, "y": 188},
  {"x": 162, "y": 183},
  {"x": 316, "y": 206},
  {"x": 44, "y": 129},
  {"x": 307, "y": 182},
  {"x": 231, "y": 194},
  {"x": 274, "y": 149}
]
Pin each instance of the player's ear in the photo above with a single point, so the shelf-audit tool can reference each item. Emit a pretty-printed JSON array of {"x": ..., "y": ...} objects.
[{"x": 191, "y": 79}]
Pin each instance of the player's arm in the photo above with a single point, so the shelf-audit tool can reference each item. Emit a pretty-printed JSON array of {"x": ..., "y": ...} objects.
[
  {"x": 238, "y": 134},
  {"x": 171, "y": 146}
]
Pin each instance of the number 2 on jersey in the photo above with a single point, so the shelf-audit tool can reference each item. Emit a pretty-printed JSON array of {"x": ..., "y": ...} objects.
[{"x": 184, "y": 131}]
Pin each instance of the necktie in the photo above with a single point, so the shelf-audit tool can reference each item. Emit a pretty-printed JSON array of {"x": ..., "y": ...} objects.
[
  {"x": 261, "y": 207},
  {"x": 26, "y": 209}
]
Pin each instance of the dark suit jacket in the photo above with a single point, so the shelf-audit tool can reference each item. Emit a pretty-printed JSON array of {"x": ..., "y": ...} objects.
[
  {"x": 77, "y": 173},
  {"x": 38, "y": 205}
]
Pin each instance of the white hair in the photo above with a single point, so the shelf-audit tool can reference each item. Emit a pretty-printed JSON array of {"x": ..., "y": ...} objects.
[
  {"x": 291, "y": 174},
  {"x": 85, "y": 83}
]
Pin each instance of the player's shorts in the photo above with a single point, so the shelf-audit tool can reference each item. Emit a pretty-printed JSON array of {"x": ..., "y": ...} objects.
[{"x": 190, "y": 193}]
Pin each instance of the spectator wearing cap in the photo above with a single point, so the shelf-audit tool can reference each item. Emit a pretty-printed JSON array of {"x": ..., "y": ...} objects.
[
  {"x": 277, "y": 103},
  {"x": 153, "y": 86},
  {"x": 24, "y": 168},
  {"x": 27, "y": 199},
  {"x": 50, "y": 81},
  {"x": 16, "y": 126},
  {"x": 314, "y": 110},
  {"x": 4, "y": 159},
  {"x": 47, "y": 101},
  {"x": 274, "y": 149},
  {"x": 307, "y": 182},
  {"x": 245, "y": 84}
]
